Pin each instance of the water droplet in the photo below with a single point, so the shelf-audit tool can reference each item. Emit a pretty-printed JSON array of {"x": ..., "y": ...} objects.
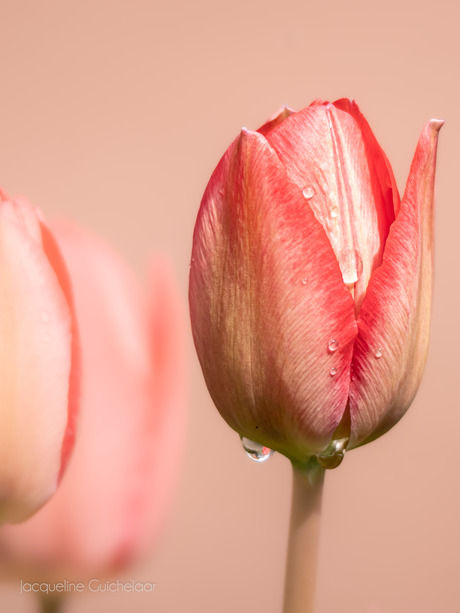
[
  {"x": 351, "y": 265},
  {"x": 378, "y": 354},
  {"x": 333, "y": 371},
  {"x": 333, "y": 344},
  {"x": 45, "y": 317},
  {"x": 332, "y": 456},
  {"x": 334, "y": 212},
  {"x": 308, "y": 192},
  {"x": 304, "y": 281},
  {"x": 256, "y": 451}
]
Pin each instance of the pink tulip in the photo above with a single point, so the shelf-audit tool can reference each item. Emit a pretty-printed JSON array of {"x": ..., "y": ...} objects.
[
  {"x": 310, "y": 284},
  {"x": 113, "y": 498},
  {"x": 38, "y": 362}
]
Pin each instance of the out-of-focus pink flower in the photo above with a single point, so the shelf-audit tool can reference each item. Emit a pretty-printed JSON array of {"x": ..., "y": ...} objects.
[
  {"x": 310, "y": 284},
  {"x": 38, "y": 362},
  {"x": 113, "y": 497}
]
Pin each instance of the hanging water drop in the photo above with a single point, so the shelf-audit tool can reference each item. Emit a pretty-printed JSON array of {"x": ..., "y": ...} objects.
[
  {"x": 333, "y": 455},
  {"x": 308, "y": 192},
  {"x": 333, "y": 371},
  {"x": 256, "y": 451},
  {"x": 333, "y": 345},
  {"x": 351, "y": 265},
  {"x": 378, "y": 354}
]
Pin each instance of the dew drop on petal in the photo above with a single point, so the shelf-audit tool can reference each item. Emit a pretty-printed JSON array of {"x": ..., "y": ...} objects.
[
  {"x": 304, "y": 281},
  {"x": 308, "y": 192},
  {"x": 256, "y": 451},
  {"x": 333, "y": 371},
  {"x": 333, "y": 455},
  {"x": 378, "y": 354},
  {"x": 333, "y": 345},
  {"x": 351, "y": 265},
  {"x": 334, "y": 212}
]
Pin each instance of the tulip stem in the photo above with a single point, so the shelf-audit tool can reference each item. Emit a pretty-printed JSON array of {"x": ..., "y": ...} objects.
[
  {"x": 50, "y": 604},
  {"x": 307, "y": 488}
]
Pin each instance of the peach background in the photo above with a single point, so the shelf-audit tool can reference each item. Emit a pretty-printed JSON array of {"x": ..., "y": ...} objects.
[{"x": 114, "y": 113}]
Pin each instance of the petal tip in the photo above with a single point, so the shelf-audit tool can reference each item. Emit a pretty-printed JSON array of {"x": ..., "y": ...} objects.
[
  {"x": 247, "y": 135},
  {"x": 436, "y": 124},
  {"x": 282, "y": 113}
]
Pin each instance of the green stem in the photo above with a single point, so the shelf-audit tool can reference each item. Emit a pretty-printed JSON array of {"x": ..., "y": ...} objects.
[
  {"x": 307, "y": 488},
  {"x": 51, "y": 604}
]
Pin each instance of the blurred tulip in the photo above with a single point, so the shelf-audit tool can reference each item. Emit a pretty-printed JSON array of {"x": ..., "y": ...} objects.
[
  {"x": 114, "y": 496},
  {"x": 38, "y": 362},
  {"x": 310, "y": 283}
]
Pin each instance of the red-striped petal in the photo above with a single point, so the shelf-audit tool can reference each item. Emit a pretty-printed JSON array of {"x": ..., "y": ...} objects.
[
  {"x": 392, "y": 342},
  {"x": 330, "y": 152},
  {"x": 266, "y": 299}
]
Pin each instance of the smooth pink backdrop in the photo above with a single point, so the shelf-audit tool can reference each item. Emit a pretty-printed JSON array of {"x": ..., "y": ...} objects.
[{"x": 114, "y": 113}]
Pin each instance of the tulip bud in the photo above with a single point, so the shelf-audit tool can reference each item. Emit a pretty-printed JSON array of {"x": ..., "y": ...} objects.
[
  {"x": 114, "y": 496},
  {"x": 38, "y": 362},
  {"x": 310, "y": 284}
]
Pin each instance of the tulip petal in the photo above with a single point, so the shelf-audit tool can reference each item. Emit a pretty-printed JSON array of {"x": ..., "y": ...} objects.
[
  {"x": 379, "y": 165},
  {"x": 35, "y": 365},
  {"x": 336, "y": 172},
  {"x": 266, "y": 298},
  {"x": 392, "y": 342}
]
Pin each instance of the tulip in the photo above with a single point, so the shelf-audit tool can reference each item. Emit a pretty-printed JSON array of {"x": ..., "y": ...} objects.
[
  {"x": 38, "y": 362},
  {"x": 115, "y": 494},
  {"x": 310, "y": 283}
]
